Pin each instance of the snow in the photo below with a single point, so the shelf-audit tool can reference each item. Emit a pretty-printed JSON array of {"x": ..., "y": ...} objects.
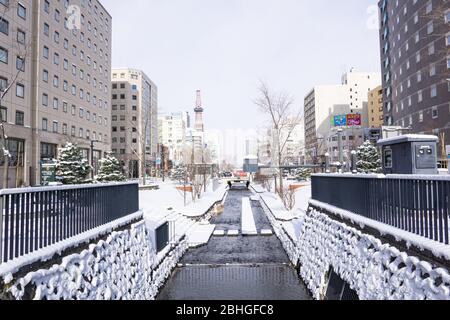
[
  {"x": 159, "y": 203},
  {"x": 219, "y": 233},
  {"x": 375, "y": 270},
  {"x": 233, "y": 233},
  {"x": 47, "y": 253},
  {"x": 124, "y": 266},
  {"x": 266, "y": 232},
  {"x": 200, "y": 234},
  {"x": 408, "y": 137},
  {"x": 440, "y": 250},
  {"x": 247, "y": 219}
]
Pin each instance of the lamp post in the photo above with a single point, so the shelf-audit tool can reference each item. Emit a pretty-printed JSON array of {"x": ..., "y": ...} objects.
[
  {"x": 341, "y": 153},
  {"x": 92, "y": 157}
]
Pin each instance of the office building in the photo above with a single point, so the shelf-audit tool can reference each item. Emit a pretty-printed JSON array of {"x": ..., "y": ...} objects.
[
  {"x": 330, "y": 106},
  {"x": 62, "y": 92},
  {"x": 415, "y": 62},
  {"x": 134, "y": 120}
]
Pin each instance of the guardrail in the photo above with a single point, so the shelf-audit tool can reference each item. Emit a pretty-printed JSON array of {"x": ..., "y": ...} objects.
[
  {"x": 417, "y": 204},
  {"x": 34, "y": 218}
]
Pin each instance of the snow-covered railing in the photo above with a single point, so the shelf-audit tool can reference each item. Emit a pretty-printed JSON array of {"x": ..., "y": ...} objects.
[
  {"x": 34, "y": 218},
  {"x": 417, "y": 204}
]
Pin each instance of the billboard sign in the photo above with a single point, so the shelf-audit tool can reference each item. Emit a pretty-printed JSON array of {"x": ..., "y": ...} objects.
[
  {"x": 340, "y": 121},
  {"x": 354, "y": 120},
  {"x": 347, "y": 120}
]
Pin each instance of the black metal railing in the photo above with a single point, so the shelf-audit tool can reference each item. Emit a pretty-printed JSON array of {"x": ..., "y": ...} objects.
[
  {"x": 418, "y": 204},
  {"x": 36, "y": 218}
]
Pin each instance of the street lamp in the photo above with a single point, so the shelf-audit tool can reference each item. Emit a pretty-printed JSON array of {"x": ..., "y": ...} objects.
[{"x": 92, "y": 157}]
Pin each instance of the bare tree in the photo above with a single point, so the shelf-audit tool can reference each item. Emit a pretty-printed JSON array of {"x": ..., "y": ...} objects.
[
  {"x": 142, "y": 135},
  {"x": 21, "y": 47},
  {"x": 284, "y": 120}
]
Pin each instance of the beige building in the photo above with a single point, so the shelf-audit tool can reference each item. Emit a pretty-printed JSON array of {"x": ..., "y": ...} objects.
[
  {"x": 328, "y": 107},
  {"x": 376, "y": 114},
  {"x": 172, "y": 134},
  {"x": 134, "y": 120},
  {"x": 63, "y": 95}
]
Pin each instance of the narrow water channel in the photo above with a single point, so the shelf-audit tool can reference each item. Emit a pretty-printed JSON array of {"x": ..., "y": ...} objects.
[{"x": 236, "y": 268}]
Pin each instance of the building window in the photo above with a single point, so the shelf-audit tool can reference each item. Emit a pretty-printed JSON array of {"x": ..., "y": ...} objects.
[
  {"x": 44, "y": 124},
  {"x": 20, "y": 64},
  {"x": 20, "y": 90},
  {"x": 21, "y": 37},
  {"x": 17, "y": 151},
  {"x": 3, "y": 114},
  {"x": 20, "y": 118},
  {"x": 45, "y": 99},
  {"x": 21, "y": 11},
  {"x": 4, "y": 26},
  {"x": 48, "y": 151},
  {"x": 55, "y": 127},
  {"x": 434, "y": 112},
  {"x": 433, "y": 91},
  {"x": 3, "y": 55}
]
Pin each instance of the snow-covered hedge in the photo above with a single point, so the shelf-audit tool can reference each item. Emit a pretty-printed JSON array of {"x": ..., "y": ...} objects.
[
  {"x": 375, "y": 270},
  {"x": 122, "y": 267}
]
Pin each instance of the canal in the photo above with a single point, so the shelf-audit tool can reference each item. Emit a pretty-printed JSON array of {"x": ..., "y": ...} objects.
[{"x": 236, "y": 268}]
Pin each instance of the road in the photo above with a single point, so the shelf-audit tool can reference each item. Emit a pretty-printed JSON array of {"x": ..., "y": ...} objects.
[{"x": 236, "y": 268}]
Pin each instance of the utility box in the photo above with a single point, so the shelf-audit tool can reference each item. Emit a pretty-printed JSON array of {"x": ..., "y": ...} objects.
[
  {"x": 251, "y": 164},
  {"x": 159, "y": 234},
  {"x": 410, "y": 154}
]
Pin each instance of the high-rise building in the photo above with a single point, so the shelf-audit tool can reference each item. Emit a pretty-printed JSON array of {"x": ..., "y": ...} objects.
[
  {"x": 415, "y": 61},
  {"x": 329, "y": 106},
  {"x": 134, "y": 120},
  {"x": 376, "y": 116},
  {"x": 172, "y": 134},
  {"x": 63, "y": 93}
]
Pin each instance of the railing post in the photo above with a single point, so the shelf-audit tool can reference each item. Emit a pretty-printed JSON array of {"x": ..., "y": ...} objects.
[{"x": 1, "y": 228}]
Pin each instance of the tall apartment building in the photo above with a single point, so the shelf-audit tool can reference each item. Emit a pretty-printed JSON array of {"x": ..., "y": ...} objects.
[
  {"x": 415, "y": 59},
  {"x": 134, "y": 120},
  {"x": 376, "y": 115},
  {"x": 326, "y": 105},
  {"x": 63, "y": 93},
  {"x": 172, "y": 134}
]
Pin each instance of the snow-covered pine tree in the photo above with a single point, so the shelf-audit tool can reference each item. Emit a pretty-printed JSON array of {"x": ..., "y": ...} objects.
[
  {"x": 110, "y": 170},
  {"x": 179, "y": 173},
  {"x": 303, "y": 174},
  {"x": 368, "y": 159},
  {"x": 72, "y": 167}
]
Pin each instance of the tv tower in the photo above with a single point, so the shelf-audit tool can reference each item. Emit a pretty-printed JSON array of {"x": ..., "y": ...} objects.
[{"x": 199, "y": 113}]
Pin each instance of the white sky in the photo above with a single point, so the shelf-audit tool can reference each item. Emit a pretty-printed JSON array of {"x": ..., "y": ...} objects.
[{"x": 224, "y": 47}]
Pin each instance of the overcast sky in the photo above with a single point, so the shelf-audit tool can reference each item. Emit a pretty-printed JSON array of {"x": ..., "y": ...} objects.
[{"x": 225, "y": 47}]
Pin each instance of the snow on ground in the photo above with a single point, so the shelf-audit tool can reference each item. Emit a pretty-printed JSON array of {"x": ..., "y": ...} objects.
[
  {"x": 167, "y": 203},
  {"x": 200, "y": 234},
  {"x": 248, "y": 221},
  {"x": 157, "y": 204}
]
